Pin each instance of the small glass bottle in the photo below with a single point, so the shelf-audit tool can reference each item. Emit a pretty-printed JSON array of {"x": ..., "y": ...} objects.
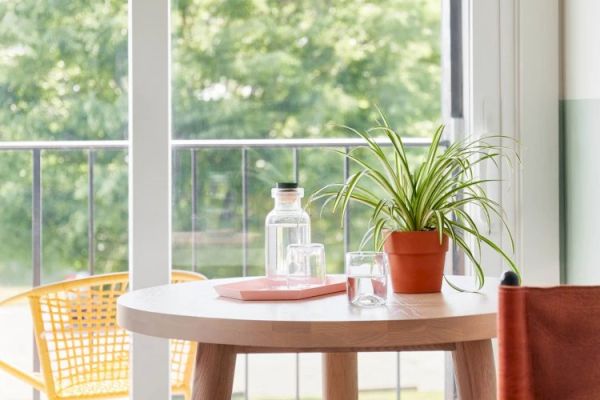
[{"x": 286, "y": 224}]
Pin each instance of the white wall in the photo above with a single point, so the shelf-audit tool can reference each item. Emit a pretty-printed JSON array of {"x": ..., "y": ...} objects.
[
  {"x": 581, "y": 130},
  {"x": 581, "y": 49}
]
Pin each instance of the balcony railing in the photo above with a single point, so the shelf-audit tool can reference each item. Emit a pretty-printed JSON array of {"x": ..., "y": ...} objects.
[
  {"x": 243, "y": 145},
  {"x": 37, "y": 148}
]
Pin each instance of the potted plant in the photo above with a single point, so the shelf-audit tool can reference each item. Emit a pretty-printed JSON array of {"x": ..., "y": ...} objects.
[{"x": 416, "y": 209}]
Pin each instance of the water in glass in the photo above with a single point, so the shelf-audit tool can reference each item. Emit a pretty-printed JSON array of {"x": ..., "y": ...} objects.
[{"x": 366, "y": 274}]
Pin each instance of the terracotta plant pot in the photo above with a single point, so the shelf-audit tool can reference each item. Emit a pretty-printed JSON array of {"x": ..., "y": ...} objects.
[{"x": 416, "y": 261}]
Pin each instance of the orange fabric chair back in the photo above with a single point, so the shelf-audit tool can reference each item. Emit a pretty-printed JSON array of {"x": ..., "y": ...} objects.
[{"x": 549, "y": 343}]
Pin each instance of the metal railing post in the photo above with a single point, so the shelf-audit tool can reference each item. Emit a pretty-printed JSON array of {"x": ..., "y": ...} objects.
[
  {"x": 244, "y": 170},
  {"x": 194, "y": 207},
  {"x": 91, "y": 147},
  {"x": 36, "y": 232},
  {"x": 347, "y": 215},
  {"x": 296, "y": 164},
  {"x": 91, "y": 211},
  {"x": 398, "y": 381},
  {"x": 296, "y": 173}
]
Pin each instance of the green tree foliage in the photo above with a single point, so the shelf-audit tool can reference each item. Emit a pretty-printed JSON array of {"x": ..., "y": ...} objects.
[
  {"x": 272, "y": 68},
  {"x": 63, "y": 69},
  {"x": 241, "y": 69}
]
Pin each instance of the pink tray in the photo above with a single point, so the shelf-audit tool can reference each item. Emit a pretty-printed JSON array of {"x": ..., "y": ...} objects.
[{"x": 263, "y": 289}]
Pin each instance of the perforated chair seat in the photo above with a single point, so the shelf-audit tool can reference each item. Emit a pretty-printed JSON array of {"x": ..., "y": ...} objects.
[{"x": 83, "y": 353}]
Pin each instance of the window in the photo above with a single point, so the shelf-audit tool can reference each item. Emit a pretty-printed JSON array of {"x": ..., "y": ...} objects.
[
  {"x": 249, "y": 75},
  {"x": 63, "y": 79},
  {"x": 243, "y": 70},
  {"x": 271, "y": 71}
]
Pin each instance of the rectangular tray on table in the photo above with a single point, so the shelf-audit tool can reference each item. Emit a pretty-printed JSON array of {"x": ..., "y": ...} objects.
[{"x": 264, "y": 289}]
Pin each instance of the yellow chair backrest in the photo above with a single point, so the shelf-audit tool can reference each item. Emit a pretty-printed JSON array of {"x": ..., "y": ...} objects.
[{"x": 83, "y": 353}]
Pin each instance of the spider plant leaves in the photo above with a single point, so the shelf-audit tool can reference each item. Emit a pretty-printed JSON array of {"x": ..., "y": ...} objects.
[
  {"x": 477, "y": 268},
  {"x": 366, "y": 237},
  {"x": 458, "y": 288},
  {"x": 493, "y": 246},
  {"x": 439, "y": 193},
  {"x": 379, "y": 154},
  {"x": 378, "y": 234},
  {"x": 346, "y": 194},
  {"x": 381, "y": 207},
  {"x": 402, "y": 167}
]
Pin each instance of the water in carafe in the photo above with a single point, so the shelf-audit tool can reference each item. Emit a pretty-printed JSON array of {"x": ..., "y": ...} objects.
[{"x": 286, "y": 224}]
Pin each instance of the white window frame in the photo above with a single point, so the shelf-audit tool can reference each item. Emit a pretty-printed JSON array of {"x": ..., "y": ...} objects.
[
  {"x": 149, "y": 181},
  {"x": 511, "y": 87},
  {"x": 536, "y": 120}
]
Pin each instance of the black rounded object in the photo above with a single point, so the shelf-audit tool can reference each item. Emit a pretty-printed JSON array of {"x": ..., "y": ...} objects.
[
  {"x": 510, "y": 278},
  {"x": 287, "y": 185}
]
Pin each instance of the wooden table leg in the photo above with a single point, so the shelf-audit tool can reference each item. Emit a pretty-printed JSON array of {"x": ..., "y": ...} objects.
[
  {"x": 475, "y": 370},
  {"x": 215, "y": 367},
  {"x": 340, "y": 376}
]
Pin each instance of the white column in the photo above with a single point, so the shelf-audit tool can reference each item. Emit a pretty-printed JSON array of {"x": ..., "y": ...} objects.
[
  {"x": 482, "y": 106},
  {"x": 513, "y": 82},
  {"x": 149, "y": 181},
  {"x": 538, "y": 132}
]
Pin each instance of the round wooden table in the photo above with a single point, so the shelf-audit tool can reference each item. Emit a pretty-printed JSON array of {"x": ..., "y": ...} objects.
[{"x": 463, "y": 323}]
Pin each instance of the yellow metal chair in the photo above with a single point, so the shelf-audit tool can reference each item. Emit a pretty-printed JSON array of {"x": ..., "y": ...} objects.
[{"x": 83, "y": 353}]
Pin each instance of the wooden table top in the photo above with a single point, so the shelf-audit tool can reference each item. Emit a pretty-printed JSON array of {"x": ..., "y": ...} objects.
[{"x": 193, "y": 311}]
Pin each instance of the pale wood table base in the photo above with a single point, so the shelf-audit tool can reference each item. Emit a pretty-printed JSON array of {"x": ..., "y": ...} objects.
[
  {"x": 473, "y": 363},
  {"x": 475, "y": 370},
  {"x": 340, "y": 376}
]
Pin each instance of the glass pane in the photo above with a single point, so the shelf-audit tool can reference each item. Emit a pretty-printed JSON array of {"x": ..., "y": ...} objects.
[
  {"x": 266, "y": 69},
  {"x": 263, "y": 69},
  {"x": 239, "y": 381},
  {"x": 64, "y": 215},
  {"x": 16, "y": 340},
  {"x": 209, "y": 241},
  {"x": 16, "y": 346},
  {"x": 422, "y": 375},
  {"x": 63, "y": 76},
  {"x": 15, "y": 220},
  {"x": 110, "y": 211},
  {"x": 316, "y": 167},
  {"x": 265, "y": 167},
  {"x": 310, "y": 375},
  {"x": 63, "y": 70},
  {"x": 272, "y": 376},
  {"x": 377, "y": 376}
]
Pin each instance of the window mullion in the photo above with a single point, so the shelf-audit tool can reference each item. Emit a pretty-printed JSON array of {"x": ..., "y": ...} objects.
[{"x": 149, "y": 181}]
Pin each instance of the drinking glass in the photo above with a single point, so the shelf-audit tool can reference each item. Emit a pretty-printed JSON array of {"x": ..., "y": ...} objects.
[
  {"x": 366, "y": 274},
  {"x": 306, "y": 265}
]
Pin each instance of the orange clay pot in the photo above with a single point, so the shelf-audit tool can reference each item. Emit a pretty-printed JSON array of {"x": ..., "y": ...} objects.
[{"x": 416, "y": 261}]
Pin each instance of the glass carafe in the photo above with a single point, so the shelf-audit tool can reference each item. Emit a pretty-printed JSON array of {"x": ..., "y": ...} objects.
[{"x": 286, "y": 224}]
